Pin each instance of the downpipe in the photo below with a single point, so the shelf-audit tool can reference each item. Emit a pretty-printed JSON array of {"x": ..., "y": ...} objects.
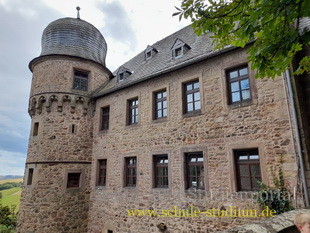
[{"x": 300, "y": 162}]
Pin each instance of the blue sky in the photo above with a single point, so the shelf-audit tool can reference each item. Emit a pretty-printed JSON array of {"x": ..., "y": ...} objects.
[{"x": 128, "y": 27}]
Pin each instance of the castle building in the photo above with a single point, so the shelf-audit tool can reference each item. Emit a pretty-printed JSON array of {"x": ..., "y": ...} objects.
[{"x": 176, "y": 129}]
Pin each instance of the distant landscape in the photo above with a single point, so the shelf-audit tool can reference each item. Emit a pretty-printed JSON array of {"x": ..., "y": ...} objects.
[{"x": 11, "y": 190}]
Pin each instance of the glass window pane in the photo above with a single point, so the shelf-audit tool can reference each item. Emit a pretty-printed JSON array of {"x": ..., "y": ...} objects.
[
  {"x": 233, "y": 74},
  {"x": 243, "y": 71},
  {"x": 190, "y": 107},
  {"x": 165, "y": 113},
  {"x": 235, "y": 96},
  {"x": 132, "y": 120},
  {"x": 137, "y": 111},
  {"x": 254, "y": 157},
  {"x": 196, "y": 85},
  {"x": 193, "y": 159},
  {"x": 159, "y": 95},
  {"x": 189, "y": 87},
  {"x": 132, "y": 112},
  {"x": 234, "y": 86},
  {"x": 245, "y": 183},
  {"x": 197, "y": 95},
  {"x": 159, "y": 114},
  {"x": 159, "y": 105},
  {"x": 255, "y": 170},
  {"x": 160, "y": 171},
  {"x": 189, "y": 98},
  {"x": 199, "y": 159},
  {"x": 246, "y": 94},
  {"x": 245, "y": 84},
  {"x": 197, "y": 105},
  {"x": 165, "y": 104},
  {"x": 164, "y": 94},
  {"x": 137, "y": 119},
  {"x": 137, "y": 102},
  {"x": 244, "y": 170},
  {"x": 243, "y": 157},
  {"x": 192, "y": 182},
  {"x": 166, "y": 181}
]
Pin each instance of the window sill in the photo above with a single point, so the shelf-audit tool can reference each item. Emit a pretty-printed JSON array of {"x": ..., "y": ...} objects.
[
  {"x": 193, "y": 113},
  {"x": 103, "y": 131},
  {"x": 133, "y": 125},
  {"x": 241, "y": 104},
  {"x": 73, "y": 190},
  {"x": 160, "y": 120}
]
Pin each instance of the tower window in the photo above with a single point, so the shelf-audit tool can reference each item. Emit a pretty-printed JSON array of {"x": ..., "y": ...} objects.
[
  {"x": 73, "y": 129},
  {"x": 80, "y": 81},
  {"x": 30, "y": 176},
  {"x": 35, "y": 129},
  {"x": 73, "y": 180}
]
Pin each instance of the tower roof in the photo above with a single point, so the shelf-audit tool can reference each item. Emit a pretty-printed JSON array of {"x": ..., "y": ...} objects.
[{"x": 74, "y": 37}]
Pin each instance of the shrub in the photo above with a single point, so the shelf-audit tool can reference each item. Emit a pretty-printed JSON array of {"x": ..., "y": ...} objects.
[{"x": 277, "y": 198}]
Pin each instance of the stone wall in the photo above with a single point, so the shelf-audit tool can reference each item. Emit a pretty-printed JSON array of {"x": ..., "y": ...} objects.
[{"x": 216, "y": 130}]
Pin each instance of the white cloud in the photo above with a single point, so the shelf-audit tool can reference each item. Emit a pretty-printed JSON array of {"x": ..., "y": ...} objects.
[{"x": 12, "y": 163}]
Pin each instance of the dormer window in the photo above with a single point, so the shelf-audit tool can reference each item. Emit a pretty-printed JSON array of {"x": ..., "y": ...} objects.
[
  {"x": 121, "y": 77},
  {"x": 122, "y": 74},
  {"x": 150, "y": 52},
  {"x": 179, "y": 48}
]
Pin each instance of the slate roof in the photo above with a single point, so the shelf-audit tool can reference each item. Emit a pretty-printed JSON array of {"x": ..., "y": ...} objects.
[
  {"x": 74, "y": 37},
  {"x": 200, "y": 48}
]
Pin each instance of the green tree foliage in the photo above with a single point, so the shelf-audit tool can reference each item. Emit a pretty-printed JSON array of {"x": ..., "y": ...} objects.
[
  {"x": 8, "y": 218},
  {"x": 271, "y": 25},
  {"x": 0, "y": 195},
  {"x": 10, "y": 185}
]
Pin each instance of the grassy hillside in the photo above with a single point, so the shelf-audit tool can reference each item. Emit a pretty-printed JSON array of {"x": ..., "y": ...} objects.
[
  {"x": 11, "y": 180},
  {"x": 11, "y": 196}
]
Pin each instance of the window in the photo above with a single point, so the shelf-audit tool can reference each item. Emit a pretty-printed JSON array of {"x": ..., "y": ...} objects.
[
  {"x": 80, "y": 81},
  {"x": 179, "y": 49},
  {"x": 247, "y": 169},
  {"x": 73, "y": 129},
  {"x": 160, "y": 104},
  {"x": 148, "y": 55},
  {"x": 109, "y": 231},
  {"x": 131, "y": 171},
  {"x": 178, "y": 52},
  {"x": 102, "y": 172},
  {"x": 194, "y": 170},
  {"x": 238, "y": 85},
  {"x": 30, "y": 176},
  {"x": 73, "y": 180},
  {"x": 133, "y": 111},
  {"x": 120, "y": 77},
  {"x": 161, "y": 171},
  {"x": 191, "y": 96},
  {"x": 35, "y": 129},
  {"x": 105, "y": 118}
]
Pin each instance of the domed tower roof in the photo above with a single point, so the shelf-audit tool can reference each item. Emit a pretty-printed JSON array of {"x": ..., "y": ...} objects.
[{"x": 74, "y": 37}]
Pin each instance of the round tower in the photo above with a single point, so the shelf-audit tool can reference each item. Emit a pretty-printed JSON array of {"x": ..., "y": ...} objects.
[{"x": 70, "y": 68}]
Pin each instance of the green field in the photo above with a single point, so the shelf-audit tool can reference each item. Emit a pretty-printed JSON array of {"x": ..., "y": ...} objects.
[{"x": 11, "y": 196}]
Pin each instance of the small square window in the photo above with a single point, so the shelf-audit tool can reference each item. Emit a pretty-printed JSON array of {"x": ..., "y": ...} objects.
[
  {"x": 80, "y": 81},
  {"x": 30, "y": 176},
  {"x": 105, "y": 118},
  {"x": 73, "y": 180},
  {"x": 194, "y": 170},
  {"x": 131, "y": 171}
]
